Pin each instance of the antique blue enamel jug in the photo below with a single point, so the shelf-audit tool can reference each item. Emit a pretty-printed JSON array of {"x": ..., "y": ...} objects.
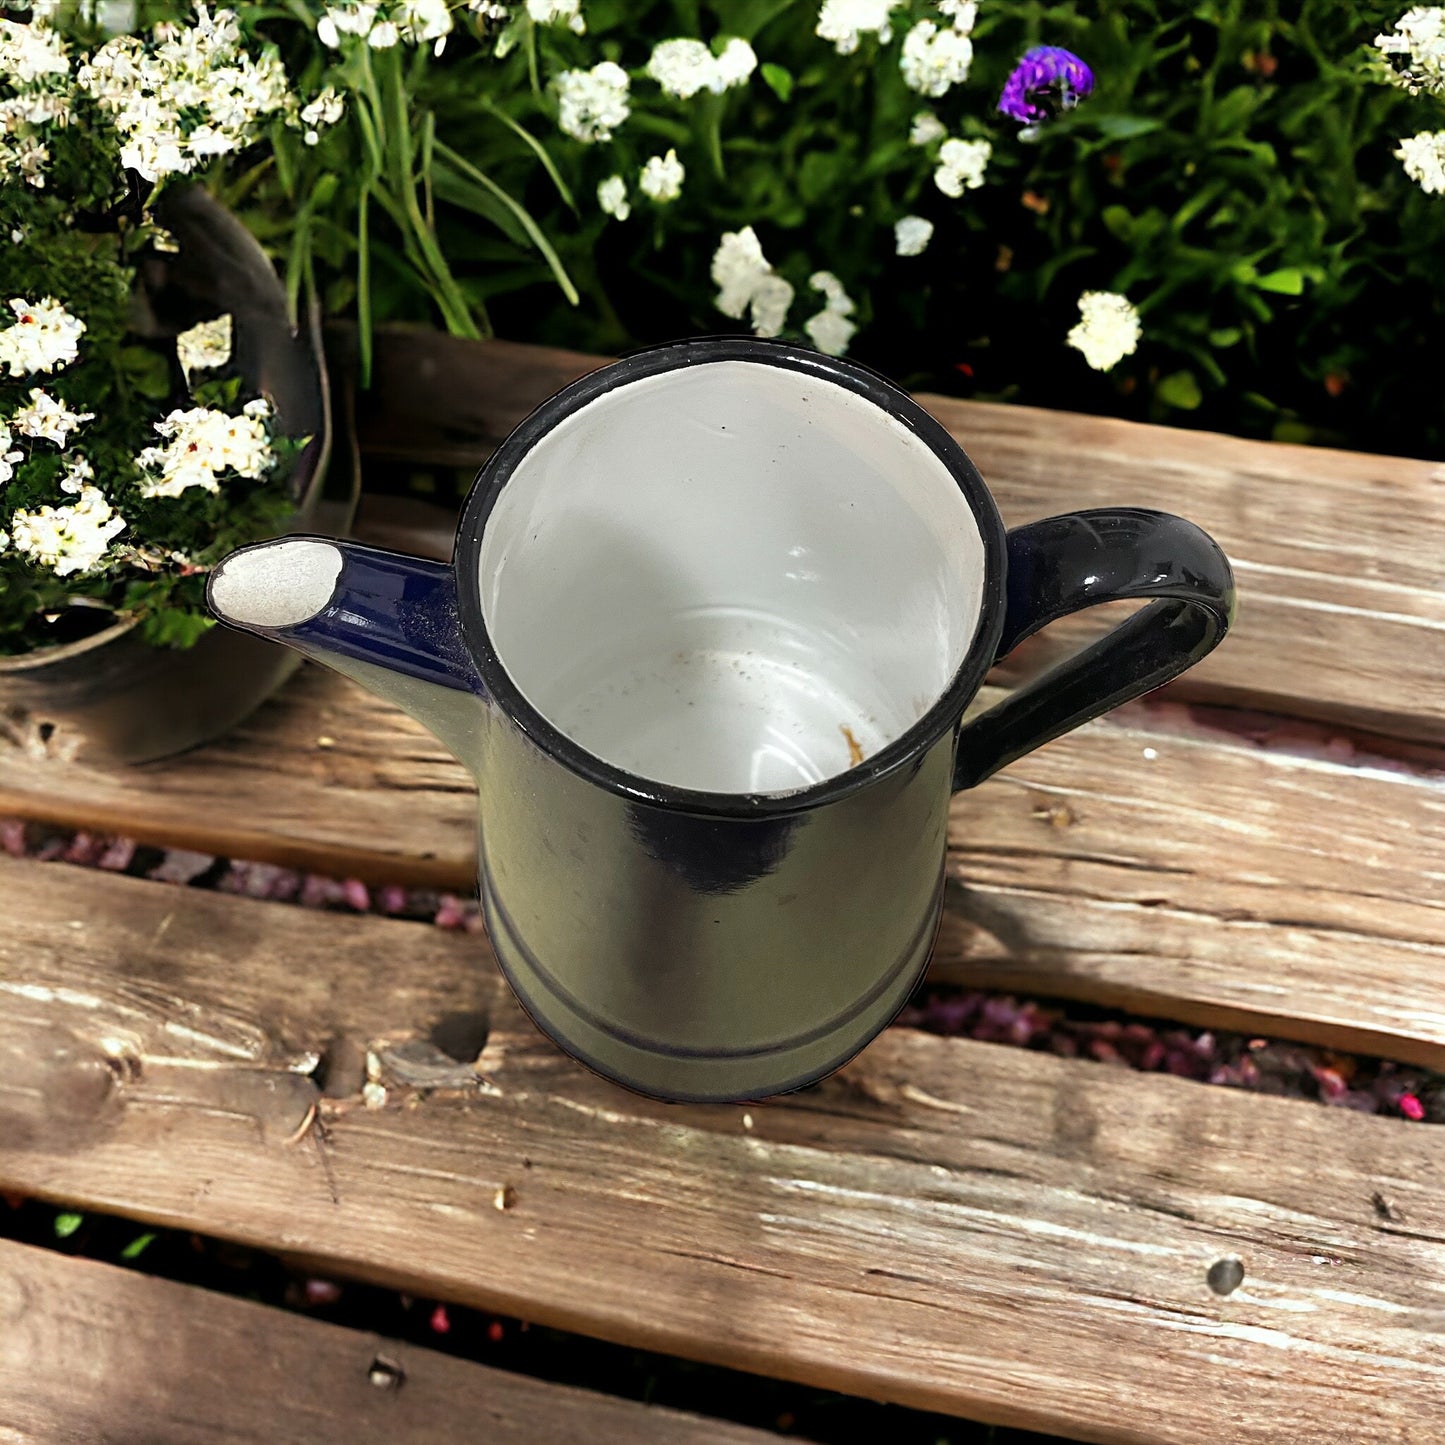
[{"x": 713, "y": 619}]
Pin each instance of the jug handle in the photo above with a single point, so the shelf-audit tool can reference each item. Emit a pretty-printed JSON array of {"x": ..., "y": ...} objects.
[{"x": 1066, "y": 563}]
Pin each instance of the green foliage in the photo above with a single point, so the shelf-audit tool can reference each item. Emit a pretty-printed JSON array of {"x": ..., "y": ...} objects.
[{"x": 1232, "y": 174}]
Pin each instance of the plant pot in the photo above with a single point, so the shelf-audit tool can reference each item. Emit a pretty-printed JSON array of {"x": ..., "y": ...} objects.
[{"x": 111, "y": 698}]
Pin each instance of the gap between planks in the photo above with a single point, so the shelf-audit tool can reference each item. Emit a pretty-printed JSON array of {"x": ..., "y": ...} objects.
[
  {"x": 1185, "y": 875},
  {"x": 950, "y": 1225},
  {"x": 89, "y": 1351}
]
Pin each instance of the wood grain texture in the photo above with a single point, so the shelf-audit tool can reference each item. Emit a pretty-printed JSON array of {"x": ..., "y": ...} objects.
[
  {"x": 1340, "y": 556},
  {"x": 89, "y": 1352},
  {"x": 1189, "y": 876},
  {"x": 951, "y": 1225}
]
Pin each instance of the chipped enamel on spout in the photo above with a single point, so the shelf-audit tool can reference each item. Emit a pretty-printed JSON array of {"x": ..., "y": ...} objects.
[{"x": 386, "y": 621}]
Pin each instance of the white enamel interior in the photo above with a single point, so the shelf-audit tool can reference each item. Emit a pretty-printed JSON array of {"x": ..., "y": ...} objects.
[{"x": 732, "y": 576}]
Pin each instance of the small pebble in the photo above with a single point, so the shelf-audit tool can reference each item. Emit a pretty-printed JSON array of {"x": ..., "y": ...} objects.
[
  {"x": 1150, "y": 754},
  {"x": 373, "y": 1095}
]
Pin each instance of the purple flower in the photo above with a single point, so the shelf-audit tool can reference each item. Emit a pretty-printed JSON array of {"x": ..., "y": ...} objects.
[{"x": 1058, "y": 77}]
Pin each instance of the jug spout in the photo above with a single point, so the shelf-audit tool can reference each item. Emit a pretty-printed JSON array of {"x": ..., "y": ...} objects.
[{"x": 386, "y": 620}]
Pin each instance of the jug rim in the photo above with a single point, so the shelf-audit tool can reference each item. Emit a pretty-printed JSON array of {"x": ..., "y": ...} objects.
[{"x": 945, "y": 714}]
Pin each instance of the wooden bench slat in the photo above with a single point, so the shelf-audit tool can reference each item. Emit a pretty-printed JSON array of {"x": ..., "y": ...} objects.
[
  {"x": 1213, "y": 882},
  {"x": 951, "y": 1225},
  {"x": 92, "y": 1352},
  {"x": 1340, "y": 555}
]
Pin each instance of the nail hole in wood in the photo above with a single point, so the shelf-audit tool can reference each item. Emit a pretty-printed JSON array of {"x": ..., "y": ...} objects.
[
  {"x": 386, "y": 1374},
  {"x": 1225, "y": 1275}
]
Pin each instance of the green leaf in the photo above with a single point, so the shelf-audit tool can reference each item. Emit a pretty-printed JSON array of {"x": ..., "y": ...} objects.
[
  {"x": 1226, "y": 336},
  {"x": 67, "y": 1224},
  {"x": 1288, "y": 281},
  {"x": 779, "y": 80},
  {"x": 1180, "y": 390},
  {"x": 137, "y": 1246},
  {"x": 1118, "y": 221},
  {"x": 146, "y": 371},
  {"x": 1124, "y": 127}
]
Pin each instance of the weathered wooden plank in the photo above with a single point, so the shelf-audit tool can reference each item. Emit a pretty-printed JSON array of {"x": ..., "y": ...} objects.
[
  {"x": 1190, "y": 876},
  {"x": 951, "y": 1225},
  {"x": 1340, "y": 555},
  {"x": 91, "y": 1352}
]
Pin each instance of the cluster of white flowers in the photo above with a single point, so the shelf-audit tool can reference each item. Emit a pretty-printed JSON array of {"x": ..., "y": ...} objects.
[
  {"x": 556, "y": 12},
  {"x": 46, "y": 418},
  {"x": 1424, "y": 160},
  {"x": 29, "y": 53},
  {"x": 662, "y": 177},
  {"x": 934, "y": 60},
  {"x": 71, "y": 538},
  {"x": 204, "y": 444},
  {"x": 684, "y": 67},
  {"x": 846, "y": 22},
  {"x": 592, "y": 103},
  {"x": 1417, "y": 47},
  {"x": 326, "y": 109},
  {"x": 612, "y": 197},
  {"x": 746, "y": 283},
  {"x": 1108, "y": 328},
  {"x": 961, "y": 165},
  {"x": 44, "y": 336},
  {"x": 830, "y": 330},
  {"x": 31, "y": 58},
  {"x": 911, "y": 235},
  {"x": 189, "y": 93},
  {"x": 205, "y": 346},
  {"x": 413, "y": 21}
]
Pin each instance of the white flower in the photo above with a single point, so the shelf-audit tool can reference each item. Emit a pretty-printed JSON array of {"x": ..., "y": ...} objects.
[
  {"x": 735, "y": 65},
  {"x": 24, "y": 156},
  {"x": 423, "y": 20},
  {"x": 961, "y": 164},
  {"x": 1424, "y": 159},
  {"x": 845, "y": 22},
  {"x": 662, "y": 177},
  {"x": 29, "y": 52},
  {"x": 963, "y": 13},
  {"x": 202, "y": 444},
  {"x": 746, "y": 281},
  {"x": 9, "y": 454},
  {"x": 355, "y": 17},
  {"x": 258, "y": 406},
  {"x": 612, "y": 197},
  {"x": 933, "y": 60},
  {"x": 383, "y": 36},
  {"x": 1108, "y": 329},
  {"x": 205, "y": 345},
  {"x": 926, "y": 129},
  {"x": 45, "y": 336},
  {"x": 326, "y": 109},
  {"x": 684, "y": 67},
  {"x": 554, "y": 12},
  {"x": 830, "y": 330},
  {"x": 77, "y": 473},
  {"x": 67, "y": 539},
  {"x": 48, "y": 419},
  {"x": 590, "y": 103},
  {"x": 911, "y": 235},
  {"x": 1419, "y": 43}
]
